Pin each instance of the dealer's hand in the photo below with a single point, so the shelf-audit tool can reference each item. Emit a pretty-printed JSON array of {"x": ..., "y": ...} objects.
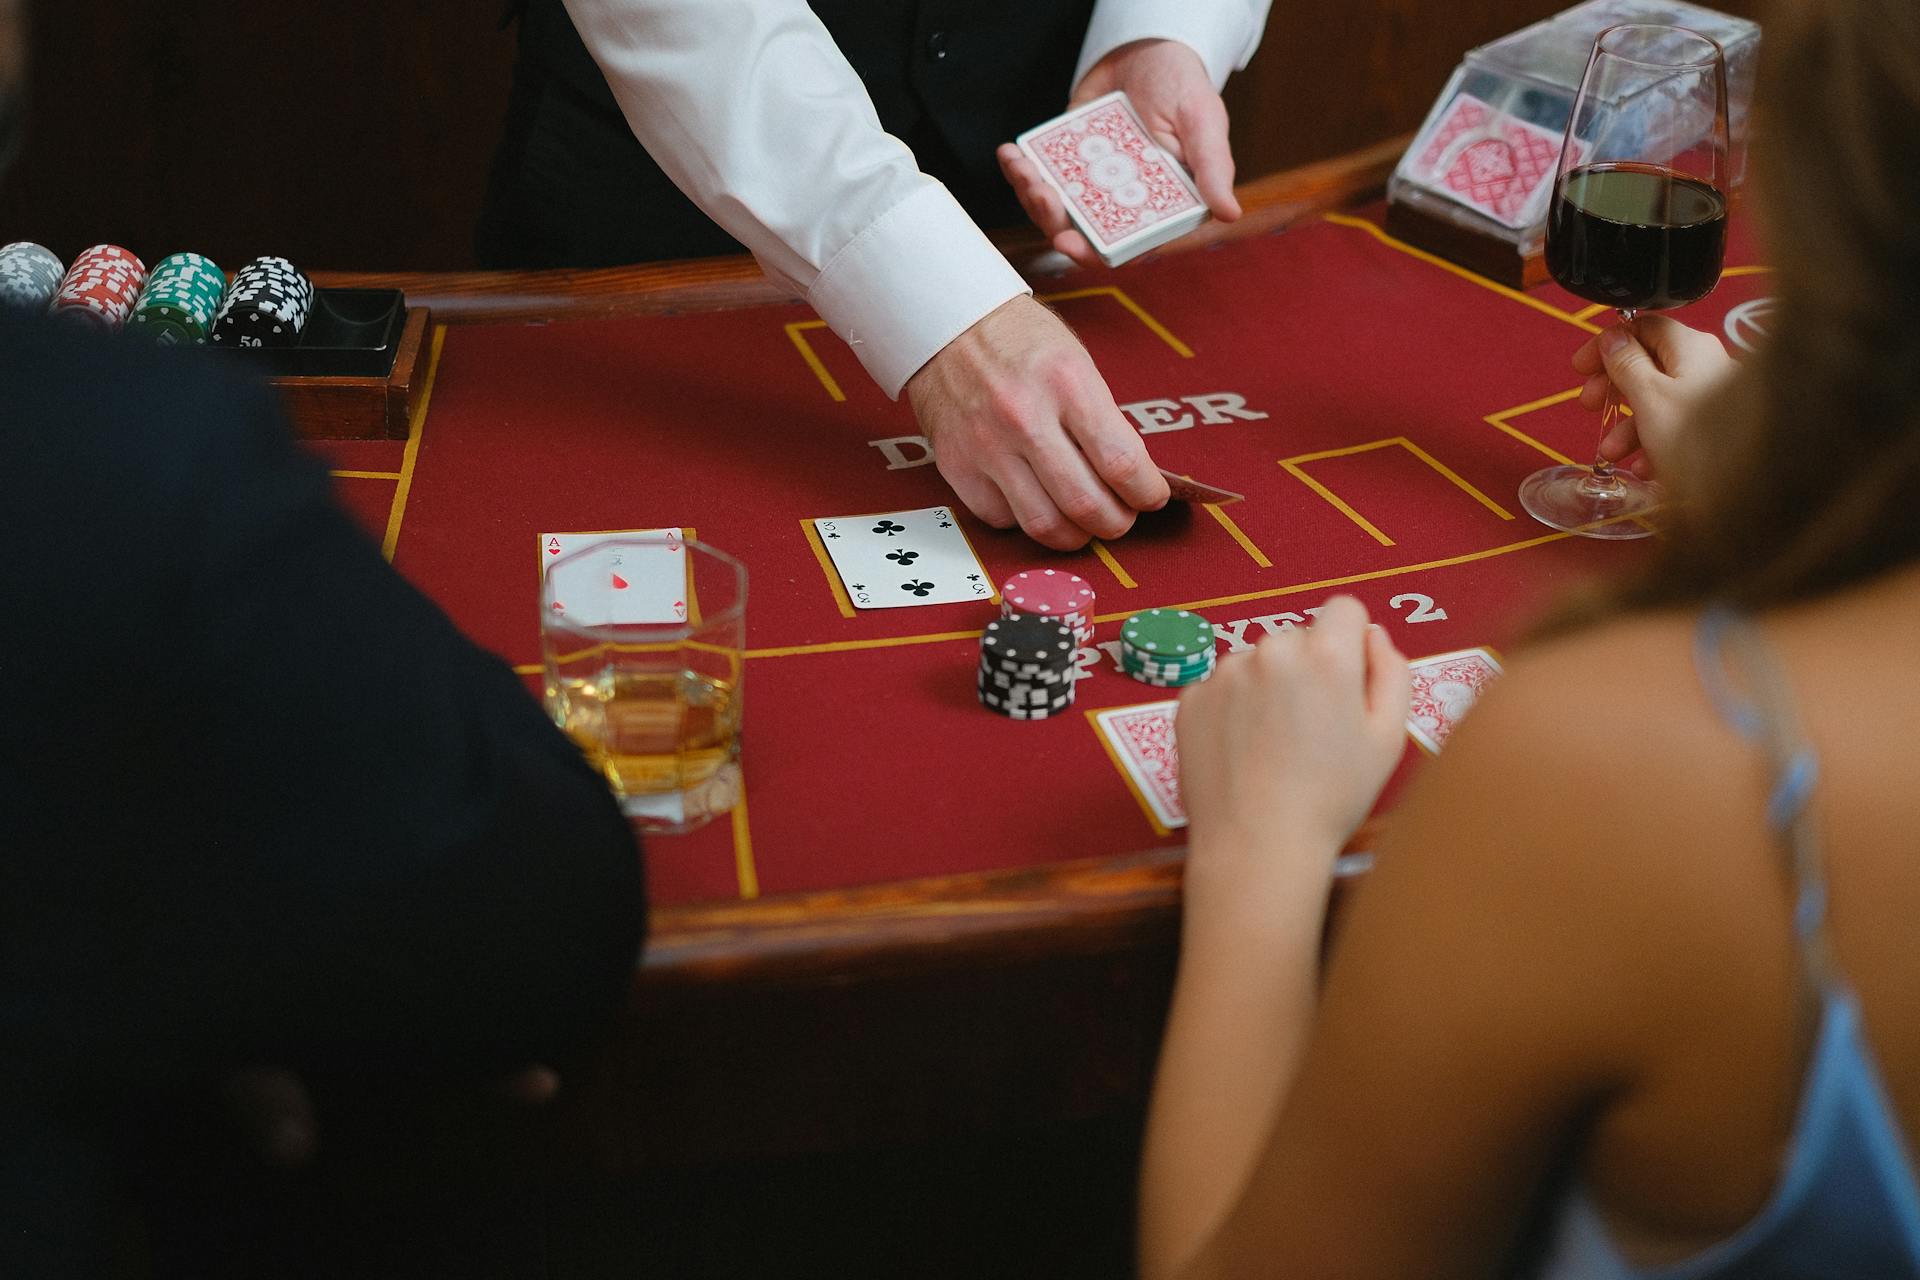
[
  {"x": 1024, "y": 429},
  {"x": 1168, "y": 85},
  {"x": 1664, "y": 371},
  {"x": 1283, "y": 751}
]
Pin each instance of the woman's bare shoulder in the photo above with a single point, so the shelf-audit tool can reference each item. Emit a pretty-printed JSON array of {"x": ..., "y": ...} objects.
[
  {"x": 1621, "y": 691},
  {"x": 1582, "y": 772}
]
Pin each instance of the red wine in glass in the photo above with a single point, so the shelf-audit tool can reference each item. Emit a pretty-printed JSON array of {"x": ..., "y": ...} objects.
[
  {"x": 1638, "y": 223},
  {"x": 1637, "y": 237}
]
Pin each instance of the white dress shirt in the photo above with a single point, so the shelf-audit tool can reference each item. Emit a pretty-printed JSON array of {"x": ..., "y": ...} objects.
[{"x": 753, "y": 112}]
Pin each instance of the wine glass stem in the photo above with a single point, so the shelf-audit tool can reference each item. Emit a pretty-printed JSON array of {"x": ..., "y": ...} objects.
[{"x": 1603, "y": 485}]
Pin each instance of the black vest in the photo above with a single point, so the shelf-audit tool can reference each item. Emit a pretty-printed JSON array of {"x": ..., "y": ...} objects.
[{"x": 951, "y": 78}]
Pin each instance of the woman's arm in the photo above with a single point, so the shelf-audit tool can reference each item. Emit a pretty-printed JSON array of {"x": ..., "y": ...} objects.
[
  {"x": 1481, "y": 999},
  {"x": 1282, "y": 754}
]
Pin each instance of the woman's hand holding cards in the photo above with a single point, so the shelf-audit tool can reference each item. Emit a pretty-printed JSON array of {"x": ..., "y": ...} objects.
[{"x": 1663, "y": 370}]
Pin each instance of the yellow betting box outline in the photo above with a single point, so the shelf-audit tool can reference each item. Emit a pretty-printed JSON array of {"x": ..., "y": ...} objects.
[
  {"x": 796, "y": 334},
  {"x": 1105, "y": 557},
  {"x": 840, "y": 598},
  {"x": 797, "y": 331},
  {"x": 1296, "y": 467},
  {"x": 1139, "y": 312},
  {"x": 1234, "y": 531}
]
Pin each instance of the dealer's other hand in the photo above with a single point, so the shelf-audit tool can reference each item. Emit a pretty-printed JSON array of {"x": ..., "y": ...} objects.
[
  {"x": 1168, "y": 85},
  {"x": 1024, "y": 429}
]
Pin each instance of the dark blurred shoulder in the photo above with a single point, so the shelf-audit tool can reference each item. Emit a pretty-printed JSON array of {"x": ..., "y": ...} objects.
[{"x": 73, "y": 398}]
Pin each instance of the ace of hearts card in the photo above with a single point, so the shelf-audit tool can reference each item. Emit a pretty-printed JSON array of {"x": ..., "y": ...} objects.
[{"x": 641, "y": 580}]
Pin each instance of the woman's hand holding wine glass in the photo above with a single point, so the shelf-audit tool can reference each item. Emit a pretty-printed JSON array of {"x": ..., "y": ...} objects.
[{"x": 1664, "y": 370}]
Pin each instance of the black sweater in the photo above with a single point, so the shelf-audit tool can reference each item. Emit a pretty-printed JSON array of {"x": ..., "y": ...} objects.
[{"x": 260, "y": 803}]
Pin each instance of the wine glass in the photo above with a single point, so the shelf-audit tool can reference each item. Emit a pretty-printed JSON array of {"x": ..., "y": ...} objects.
[{"x": 1638, "y": 222}]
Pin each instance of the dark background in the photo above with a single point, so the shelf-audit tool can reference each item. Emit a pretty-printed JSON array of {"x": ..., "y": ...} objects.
[{"x": 355, "y": 134}]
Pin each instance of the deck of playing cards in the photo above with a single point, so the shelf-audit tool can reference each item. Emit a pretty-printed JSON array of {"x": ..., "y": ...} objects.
[
  {"x": 1493, "y": 162},
  {"x": 1122, "y": 190}
]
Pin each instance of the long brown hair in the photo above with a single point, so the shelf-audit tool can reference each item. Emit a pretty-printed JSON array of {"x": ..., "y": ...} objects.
[{"x": 1804, "y": 477}]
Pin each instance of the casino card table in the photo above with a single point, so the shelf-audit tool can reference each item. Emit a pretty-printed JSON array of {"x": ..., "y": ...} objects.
[{"x": 923, "y": 915}]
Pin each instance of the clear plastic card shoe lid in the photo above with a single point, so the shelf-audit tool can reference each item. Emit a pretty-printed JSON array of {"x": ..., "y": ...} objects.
[{"x": 1484, "y": 160}]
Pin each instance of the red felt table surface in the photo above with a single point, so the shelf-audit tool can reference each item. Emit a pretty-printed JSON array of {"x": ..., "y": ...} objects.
[{"x": 1407, "y": 400}]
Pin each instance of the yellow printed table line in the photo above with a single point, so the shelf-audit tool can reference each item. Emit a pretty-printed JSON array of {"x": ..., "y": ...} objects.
[
  {"x": 1473, "y": 277},
  {"x": 796, "y": 334},
  {"x": 1234, "y": 531},
  {"x": 1296, "y": 467},
  {"x": 416, "y": 428},
  {"x": 1269, "y": 593},
  {"x": 744, "y": 870}
]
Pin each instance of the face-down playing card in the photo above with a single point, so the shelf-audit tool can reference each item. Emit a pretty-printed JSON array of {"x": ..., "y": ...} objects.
[
  {"x": 1186, "y": 489},
  {"x": 643, "y": 581},
  {"x": 898, "y": 559},
  {"x": 1141, "y": 741},
  {"x": 1445, "y": 687},
  {"x": 1120, "y": 187}
]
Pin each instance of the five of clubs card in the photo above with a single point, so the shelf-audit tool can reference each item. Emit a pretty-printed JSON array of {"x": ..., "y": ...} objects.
[{"x": 898, "y": 559}]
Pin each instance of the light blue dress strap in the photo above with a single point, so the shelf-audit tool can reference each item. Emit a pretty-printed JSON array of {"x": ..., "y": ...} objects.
[{"x": 1729, "y": 648}]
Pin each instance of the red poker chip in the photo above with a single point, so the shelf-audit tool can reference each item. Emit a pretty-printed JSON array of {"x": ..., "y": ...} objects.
[
  {"x": 1048, "y": 592},
  {"x": 102, "y": 285}
]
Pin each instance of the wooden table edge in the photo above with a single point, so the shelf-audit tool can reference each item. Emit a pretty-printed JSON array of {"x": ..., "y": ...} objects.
[
  {"x": 712, "y": 284},
  {"x": 893, "y": 930}
]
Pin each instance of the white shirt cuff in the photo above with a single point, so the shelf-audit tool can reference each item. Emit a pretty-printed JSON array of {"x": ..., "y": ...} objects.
[
  {"x": 917, "y": 278},
  {"x": 1224, "y": 33}
]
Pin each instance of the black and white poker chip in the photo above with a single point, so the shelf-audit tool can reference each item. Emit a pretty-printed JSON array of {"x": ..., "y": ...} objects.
[
  {"x": 1028, "y": 639},
  {"x": 266, "y": 305}
]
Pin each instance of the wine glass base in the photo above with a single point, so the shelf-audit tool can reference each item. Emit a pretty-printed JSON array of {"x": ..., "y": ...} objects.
[{"x": 1568, "y": 498}]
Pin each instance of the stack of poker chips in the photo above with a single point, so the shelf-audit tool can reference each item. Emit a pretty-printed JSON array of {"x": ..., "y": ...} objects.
[
  {"x": 29, "y": 275},
  {"x": 177, "y": 307},
  {"x": 1167, "y": 648},
  {"x": 1053, "y": 594},
  {"x": 100, "y": 287},
  {"x": 1027, "y": 667},
  {"x": 265, "y": 306}
]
